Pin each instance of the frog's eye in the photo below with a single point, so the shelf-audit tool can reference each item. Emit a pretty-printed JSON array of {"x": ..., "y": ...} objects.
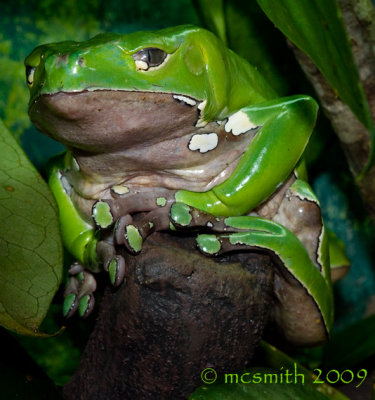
[
  {"x": 30, "y": 74},
  {"x": 149, "y": 57}
]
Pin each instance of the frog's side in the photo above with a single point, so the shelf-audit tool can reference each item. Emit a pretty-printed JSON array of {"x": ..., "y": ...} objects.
[{"x": 174, "y": 124}]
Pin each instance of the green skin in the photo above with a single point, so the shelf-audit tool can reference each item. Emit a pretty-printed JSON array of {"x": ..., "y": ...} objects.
[{"x": 198, "y": 67}]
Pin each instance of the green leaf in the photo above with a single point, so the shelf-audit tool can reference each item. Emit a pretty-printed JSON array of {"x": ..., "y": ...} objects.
[
  {"x": 252, "y": 36},
  {"x": 213, "y": 14},
  {"x": 245, "y": 29},
  {"x": 30, "y": 244},
  {"x": 316, "y": 27}
]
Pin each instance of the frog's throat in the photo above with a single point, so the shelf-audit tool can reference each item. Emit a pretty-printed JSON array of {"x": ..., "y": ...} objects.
[{"x": 93, "y": 119}]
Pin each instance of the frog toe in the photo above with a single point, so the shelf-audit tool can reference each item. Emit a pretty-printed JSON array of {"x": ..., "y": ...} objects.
[
  {"x": 78, "y": 294},
  {"x": 87, "y": 284},
  {"x": 106, "y": 251},
  {"x": 76, "y": 269},
  {"x": 70, "y": 305},
  {"x": 117, "y": 270},
  {"x": 132, "y": 234},
  {"x": 119, "y": 231},
  {"x": 86, "y": 305},
  {"x": 102, "y": 214},
  {"x": 184, "y": 216}
]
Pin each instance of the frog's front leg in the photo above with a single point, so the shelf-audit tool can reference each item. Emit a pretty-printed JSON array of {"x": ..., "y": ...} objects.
[
  {"x": 285, "y": 126},
  {"x": 89, "y": 246}
]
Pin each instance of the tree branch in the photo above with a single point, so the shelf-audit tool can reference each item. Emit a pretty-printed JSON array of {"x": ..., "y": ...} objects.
[
  {"x": 359, "y": 19},
  {"x": 178, "y": 313}
]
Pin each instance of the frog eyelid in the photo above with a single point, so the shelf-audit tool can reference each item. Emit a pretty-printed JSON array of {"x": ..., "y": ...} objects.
[{"x": 149, "y": 57}]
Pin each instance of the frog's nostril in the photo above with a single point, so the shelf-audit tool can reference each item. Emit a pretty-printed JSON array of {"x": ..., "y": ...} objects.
[
  {"x": 81, "y": 62},
  {"x": 30, "y": 74}
]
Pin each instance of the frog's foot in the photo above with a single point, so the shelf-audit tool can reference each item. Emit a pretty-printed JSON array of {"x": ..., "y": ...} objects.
[
  {"x": 113, "y": 263},
  {"x": 172, "y": 216},
  {"x": 106, "y": 212},
  {"x": 78, "y": 294},
  {"x": 288, "y": 253}
]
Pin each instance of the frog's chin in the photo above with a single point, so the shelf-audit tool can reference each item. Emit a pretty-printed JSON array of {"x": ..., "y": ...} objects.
[{"x": 110, "y": 120}]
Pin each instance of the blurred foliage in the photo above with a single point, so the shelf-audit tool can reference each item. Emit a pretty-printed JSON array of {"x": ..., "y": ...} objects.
[{"x": 29, "y": 241}]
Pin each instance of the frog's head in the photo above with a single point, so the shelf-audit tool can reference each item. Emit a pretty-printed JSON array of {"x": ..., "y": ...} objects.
[{"x": 90, "y": 85}]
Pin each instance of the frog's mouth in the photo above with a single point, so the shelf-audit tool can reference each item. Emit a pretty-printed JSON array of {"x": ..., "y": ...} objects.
[{"x": 103, "y": 120}]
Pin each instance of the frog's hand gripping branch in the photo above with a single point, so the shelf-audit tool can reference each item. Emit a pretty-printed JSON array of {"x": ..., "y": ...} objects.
[
  {"x": 81, "y": 240},
  {"x": 79, "y": 236}
]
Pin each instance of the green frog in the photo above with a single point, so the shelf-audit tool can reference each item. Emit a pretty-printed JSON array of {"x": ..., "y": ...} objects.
[{"x": 174, "y": 125}]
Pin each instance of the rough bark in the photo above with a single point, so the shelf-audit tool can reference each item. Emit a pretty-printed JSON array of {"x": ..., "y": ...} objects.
[
  {"x": 359, "y": 19},
  {"x": 178, "y": 313}
]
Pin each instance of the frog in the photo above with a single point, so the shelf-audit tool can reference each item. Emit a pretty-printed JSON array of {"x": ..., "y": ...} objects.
[{"x": 174, "y": 128}]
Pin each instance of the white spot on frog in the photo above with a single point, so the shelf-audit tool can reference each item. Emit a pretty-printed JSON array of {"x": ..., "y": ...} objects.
[
  {"x": 120, "y": 189},
  {"x": 161, "y": 201},
  {"x": 187, "y": 100},
  {"x": 239, "y": 123},
  {"x": 65, "y": 183},
  {"x": 75, "y": 165},
  {"x": 201, "y": 122},
  {"x": 204, "y": 142},
  {"x": 202, "y": 105},
  {"x": 210, "y": 224}
]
